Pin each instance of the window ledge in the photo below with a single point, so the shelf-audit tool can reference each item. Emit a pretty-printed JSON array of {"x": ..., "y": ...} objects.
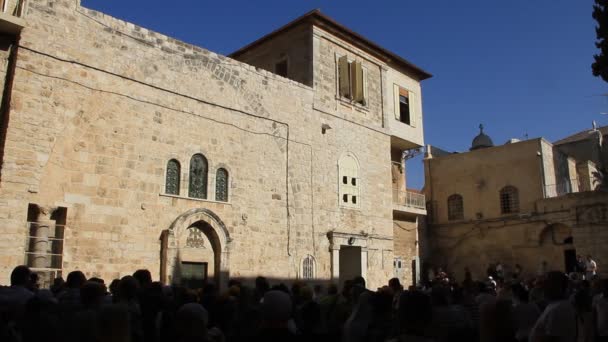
[
  {"x": 193, "y": 199},
  {"x": 348, "y": 102},
  {"x": 350, "y": 208}
]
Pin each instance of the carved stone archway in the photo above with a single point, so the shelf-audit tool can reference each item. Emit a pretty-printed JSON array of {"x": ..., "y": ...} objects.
[{"x": 217, "y": 233}]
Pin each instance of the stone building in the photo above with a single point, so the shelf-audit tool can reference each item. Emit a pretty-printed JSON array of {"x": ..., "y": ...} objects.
[
  {"x": 123, "y": 148},
  {"x": 523, "y": 203}
]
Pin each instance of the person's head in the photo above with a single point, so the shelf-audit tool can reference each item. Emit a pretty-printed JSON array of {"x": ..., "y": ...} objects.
[
  {"x": 191, "y": 322},
  {"x": 127, "y": 288},
  {"x": 75, "y": 280},
  {"x": 21, "y": 276},
  {"x": 143, "y": 277},
  {"x": 359, "y": 281},
  {"x": 92, "y": 293},
  {"x": 395, "y": 284},
  {"x": 589, "y": 257},
  {"x": 276, "y": 308},
  {"x": 58, "y": 284},
  {"x": 261, "y": 284},
  {"x": 555, "y": 285},
  {"x": 306, "y": 293}
]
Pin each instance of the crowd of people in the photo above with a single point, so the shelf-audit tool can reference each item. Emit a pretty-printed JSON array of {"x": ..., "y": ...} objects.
[{"x": 547, "y": 307}]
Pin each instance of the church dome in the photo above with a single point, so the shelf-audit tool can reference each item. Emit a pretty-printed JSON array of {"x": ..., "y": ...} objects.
[{"x": 481, "y": 141}]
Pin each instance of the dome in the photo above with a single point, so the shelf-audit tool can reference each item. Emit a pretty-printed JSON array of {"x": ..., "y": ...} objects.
[{"x": 481, "y": 141}]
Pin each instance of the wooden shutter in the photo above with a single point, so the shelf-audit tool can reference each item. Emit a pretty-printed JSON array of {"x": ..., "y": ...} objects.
[
  {"x": 413, "y": 112},
  {"x": 343, "y": 77},
  {"x": 357, "y": 80}
]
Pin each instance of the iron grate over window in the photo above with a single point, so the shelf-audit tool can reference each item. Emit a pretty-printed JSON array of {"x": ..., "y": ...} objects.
[
  {"x": 308, "y": 267},
  {"x": 509, "y": 200},
  {"x": 172, "y": 179},
  {"x": 455, "y": 207},
  {"x": 198, "y": 177},
  {"x": 221, "y": 185}
]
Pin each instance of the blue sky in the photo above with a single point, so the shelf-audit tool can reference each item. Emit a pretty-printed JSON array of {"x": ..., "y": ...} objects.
[{"x": 519, "y": 67}]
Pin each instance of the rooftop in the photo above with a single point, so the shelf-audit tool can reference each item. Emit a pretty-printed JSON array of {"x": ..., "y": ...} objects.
[
  {"x": 316, "y": 18},
  {"x": 582, "y": 135}
]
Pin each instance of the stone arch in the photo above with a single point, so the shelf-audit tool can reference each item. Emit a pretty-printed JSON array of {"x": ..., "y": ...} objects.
[
  {"x": 556, "y": 245},
  {"x": 212, "y": 227}
]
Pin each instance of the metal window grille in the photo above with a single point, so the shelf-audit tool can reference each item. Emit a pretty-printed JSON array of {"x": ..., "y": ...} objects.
[
  {"x": 44, "y": 250},
  {"x": 455, "y": 207},
  {"x": 308, "y": 267},
  {"x": 172, "y": 179},
  {"x": 509, "y": 200},
  {"x": 198, "y": 177},
  {"x": 221, "y": 185}
]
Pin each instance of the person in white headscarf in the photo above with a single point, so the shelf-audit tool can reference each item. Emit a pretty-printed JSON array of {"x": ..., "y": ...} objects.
[{"x": 355, "y": 328}]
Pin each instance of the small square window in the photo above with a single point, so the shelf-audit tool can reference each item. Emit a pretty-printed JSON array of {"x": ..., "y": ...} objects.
[
  {"x": 354, "y": 182},
  {"x": 345, "y": 198},
  {"x": 345, "y": 180}
]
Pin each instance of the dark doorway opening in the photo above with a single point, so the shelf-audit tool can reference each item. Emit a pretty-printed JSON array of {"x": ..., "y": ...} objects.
[
  {"x": 193, "y": 274},
  {"x": 350, "y": 263}
]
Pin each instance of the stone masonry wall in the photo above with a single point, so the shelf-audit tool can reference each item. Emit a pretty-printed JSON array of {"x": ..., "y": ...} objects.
[{"x": 99, "y": 107}]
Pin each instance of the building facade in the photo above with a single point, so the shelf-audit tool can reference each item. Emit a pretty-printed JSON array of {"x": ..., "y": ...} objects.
[
  {"x": 521, "y": 203},
  {"x": 123, "y": 148}
]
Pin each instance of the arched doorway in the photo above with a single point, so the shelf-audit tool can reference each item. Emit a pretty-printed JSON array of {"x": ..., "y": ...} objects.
[
  {"x": 557, "y": 247},
  {"x": 195, "y": 250}
]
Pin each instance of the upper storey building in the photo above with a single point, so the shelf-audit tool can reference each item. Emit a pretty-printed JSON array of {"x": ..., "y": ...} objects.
[{"x": 122, "y": 148}]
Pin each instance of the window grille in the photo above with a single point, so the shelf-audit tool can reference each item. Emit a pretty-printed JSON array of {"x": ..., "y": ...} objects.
[
  {"x": 172, "y": 178},
  {"x": 455, "y": 207},
  {"x": 198, "y": 177},
  {"x": 221, "y": 185},
  {"x": 308, "y": 267},
  {"x": 509, "y": 200}
]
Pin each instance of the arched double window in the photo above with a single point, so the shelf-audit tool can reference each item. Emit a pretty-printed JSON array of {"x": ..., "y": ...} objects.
[
  {"x": 308, "y": 267},
  {"x": 509, "y": 200},
  {"x": 198, "y": 177},
  {"x": 349, "y": 182},
  {"x": 221, "y": 185},
  {"x": 455, "y": 207},
  {"x": 172, "y": 178}
]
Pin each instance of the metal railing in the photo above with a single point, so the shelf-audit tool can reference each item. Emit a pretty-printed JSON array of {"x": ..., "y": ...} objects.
[
  {"x": 560, "y": 189},
  {"x": 44, "y": 246},
  {"x": 409, "y": 199}
]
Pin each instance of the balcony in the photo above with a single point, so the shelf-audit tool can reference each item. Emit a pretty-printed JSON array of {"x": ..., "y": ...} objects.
[
  {"x": 11, "y": 13},
  {"x": 409, "y": 202}
]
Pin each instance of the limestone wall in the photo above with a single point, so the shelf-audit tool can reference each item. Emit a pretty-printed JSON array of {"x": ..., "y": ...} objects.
[
  {"x": 479, "y": 175},
  {"x": 99, "y": 107}
]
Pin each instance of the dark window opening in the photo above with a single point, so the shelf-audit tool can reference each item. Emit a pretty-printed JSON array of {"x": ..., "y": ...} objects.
[
  {"x": 354, "y": 182},
  {"x": 404, "y": 109},
  {"x": 345, "y": 180},
  {"x": 509, "y": 200},
  {"x": 354, "y": 199},
  {"x": 455, "y": 207},
  {"x": 345, "y": 198},
  {"x": 281, "y": 68}
]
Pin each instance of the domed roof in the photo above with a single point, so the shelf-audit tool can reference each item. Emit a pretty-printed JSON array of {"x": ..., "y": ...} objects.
[{"x": 481, "y": 141}]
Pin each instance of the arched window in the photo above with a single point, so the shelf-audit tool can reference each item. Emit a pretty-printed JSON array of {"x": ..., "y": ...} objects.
[
  {"x": 172, "y": 177},
  {"x": 198, "y": 177},
  {"x": 509, "y": 200},
  {"x": 308, "y": 267},
  {"x": 221, "y": 185},
  {"x": 349, "y": 182},
  {"x": 455, "y": 207}
]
